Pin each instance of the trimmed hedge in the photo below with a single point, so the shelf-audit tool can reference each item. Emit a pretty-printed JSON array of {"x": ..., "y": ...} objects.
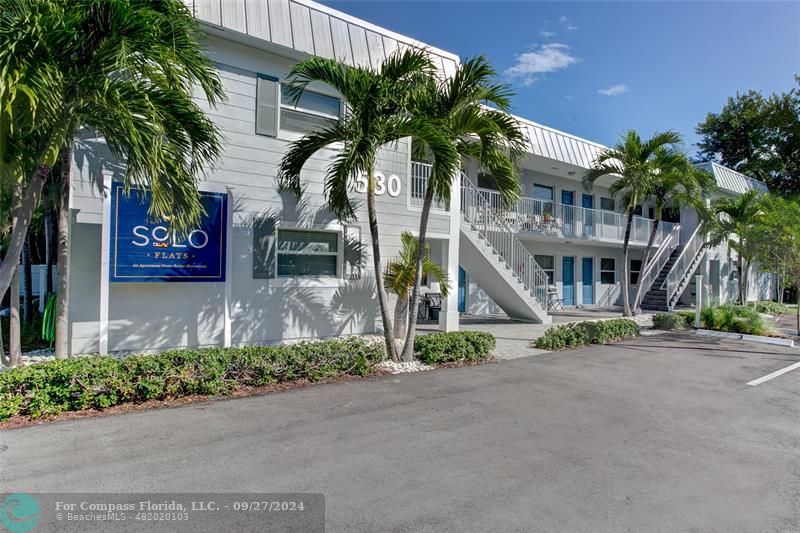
[
  {"x": 584, "y": 333},
  {"x": 100, "y": 382},
  {"x": 772, "y": 308},
  {"x": 454, "y": 347},
  {"x": 672, "y": 321}
]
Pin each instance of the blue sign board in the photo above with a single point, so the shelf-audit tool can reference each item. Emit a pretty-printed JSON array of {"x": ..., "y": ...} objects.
[{"x": 146, "y": 250}]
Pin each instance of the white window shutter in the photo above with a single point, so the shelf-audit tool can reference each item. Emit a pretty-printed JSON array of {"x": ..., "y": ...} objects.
[{"x": 267, "y": 106}]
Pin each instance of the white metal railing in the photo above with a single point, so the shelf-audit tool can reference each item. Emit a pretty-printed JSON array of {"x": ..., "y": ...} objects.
[
  {"x": 561, "y": 220},
  {"x": 420, "y": 174},
  {"x": 660, "y": 258},
  {"x": 678, "y": 272},
  {"x": 485, "y": 219}
]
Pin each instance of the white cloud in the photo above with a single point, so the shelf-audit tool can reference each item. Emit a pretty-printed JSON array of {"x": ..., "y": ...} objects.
[
  {"x": 562, "y": 19},
  {"x": 614, "y": 90},
  {"x": 547, "y": 34},
  {"x": 544, "y": 58},
  {"x": 570, "y": 27}
]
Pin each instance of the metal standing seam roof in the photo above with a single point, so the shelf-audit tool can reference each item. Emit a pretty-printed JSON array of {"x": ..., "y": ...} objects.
[
  {"x": 559, "y": 146},
  {"x": 731, "y": 180},
  {"x": 312, "y": 28}
]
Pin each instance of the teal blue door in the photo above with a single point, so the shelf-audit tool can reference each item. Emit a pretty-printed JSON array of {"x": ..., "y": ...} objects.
[
  {"x": 462, "y": 290},
  {"x": 568, "y": 281},
  {"x": 567, "y": 205},
  {"x": 588, "y": 281}
]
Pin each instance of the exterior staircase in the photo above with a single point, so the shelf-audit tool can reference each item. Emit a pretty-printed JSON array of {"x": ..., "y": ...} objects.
[
  {"x": 656, "y": 298},
  {"x": 676, "y": 274},
  {"x": 498, "y": 261}
]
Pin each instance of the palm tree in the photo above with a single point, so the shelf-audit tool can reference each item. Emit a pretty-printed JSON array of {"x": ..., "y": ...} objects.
[
  {"x": 460, "y": 108},
  {"x": 401, "y": 274},
  {"x": 633, "y": 164},
  {"x": 123, "y": 69},
  {"x": 676, "y": 184},
  {"x": 378, "y": 103},
  {"x": 734, "y": 222}
]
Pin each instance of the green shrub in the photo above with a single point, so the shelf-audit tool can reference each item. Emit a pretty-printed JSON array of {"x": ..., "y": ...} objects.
[
  {"x": 583, "y": 333},
  {"x": 671, "y": 321},
  {"x": 455, "y": 346},
  {"x": 772, "y": 308},
  {"x": 559, "y": 337},
  {"x": 99, "y": 382},
  {"x": 689, "y": 316},
  {"x": 734, "y": 319}
]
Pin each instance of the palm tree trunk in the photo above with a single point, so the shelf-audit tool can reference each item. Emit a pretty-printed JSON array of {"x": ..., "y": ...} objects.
[
  {"x": 741, "y": 278},
  {"x": 19, "y": 231},
  {"x": 411, "y": 332},
  {"x": 49, "y": 251},
  {"x": 383, "y": 301},
  {"x": 64, "y": 229},
  {"x": 400, "y": 317},
  {"x": 14, "y": 336},
  {"x": 645, "y": 259},
  {"x": 626, "y": 304},
  {"x": 27, "y": 285}
]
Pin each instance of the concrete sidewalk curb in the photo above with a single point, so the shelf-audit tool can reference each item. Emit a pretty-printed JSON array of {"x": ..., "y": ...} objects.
[{"x": 789, "y": 343}]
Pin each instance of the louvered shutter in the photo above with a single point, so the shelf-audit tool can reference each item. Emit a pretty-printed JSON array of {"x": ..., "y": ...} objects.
[{"x": 267, "y": 106}]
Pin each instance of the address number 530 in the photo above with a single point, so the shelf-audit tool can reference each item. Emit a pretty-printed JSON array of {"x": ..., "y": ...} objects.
[{"x": 390, "y": 185}]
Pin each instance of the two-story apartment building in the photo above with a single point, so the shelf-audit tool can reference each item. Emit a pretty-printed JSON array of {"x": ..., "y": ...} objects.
[{"x": 276, "y": 269}]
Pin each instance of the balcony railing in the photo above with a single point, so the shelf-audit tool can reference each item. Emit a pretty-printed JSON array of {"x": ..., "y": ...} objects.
[
  {"x": 420, "y": 173},
  {"x": 569, "y": 221}
]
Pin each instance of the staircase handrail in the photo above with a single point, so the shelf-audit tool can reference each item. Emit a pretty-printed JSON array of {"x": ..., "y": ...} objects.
[
  {"x": 500, "y": 237},
  {"x": 685, "y": 260},
  {"x": 661, "y": 257}
]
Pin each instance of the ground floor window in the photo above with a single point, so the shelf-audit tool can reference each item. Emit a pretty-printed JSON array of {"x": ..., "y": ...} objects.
[
  {"x": 636, "y": 267},
  {"x": 548, "y": 264},
  {"x": 307, "y": 253},
  {"x": 608, "y": 271}
]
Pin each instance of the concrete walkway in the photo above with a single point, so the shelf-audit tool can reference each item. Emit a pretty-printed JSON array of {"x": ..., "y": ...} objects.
[{"x": 514, "y": 337}]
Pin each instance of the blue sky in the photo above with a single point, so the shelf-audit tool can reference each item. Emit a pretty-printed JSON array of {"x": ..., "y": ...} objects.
[{"x": 595, "y": 69}]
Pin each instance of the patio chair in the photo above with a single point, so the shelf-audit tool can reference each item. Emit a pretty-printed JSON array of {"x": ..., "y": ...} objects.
[
  {"x": 434, "y": 304},
  {"x": 554, "y": 303}
]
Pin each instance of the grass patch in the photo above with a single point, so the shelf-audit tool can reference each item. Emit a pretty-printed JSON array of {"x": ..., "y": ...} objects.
[{"x": 585, "y": 333}]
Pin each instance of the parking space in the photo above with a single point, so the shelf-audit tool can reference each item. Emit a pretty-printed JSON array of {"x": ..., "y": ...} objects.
[{"x": 654, "y": 434}]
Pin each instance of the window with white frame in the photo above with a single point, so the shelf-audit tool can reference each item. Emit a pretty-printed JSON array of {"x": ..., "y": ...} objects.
[
  {"x": 608, "y": 271},
  {"x": 606, "y": 204},
  {"x": 307, "y": 253},
  {"x": 548, "y": 264},
  {"x": 278, "y": 109}
]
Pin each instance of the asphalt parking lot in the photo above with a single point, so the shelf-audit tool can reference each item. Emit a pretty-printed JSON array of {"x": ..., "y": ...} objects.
[{"x": 660, "y": 433}]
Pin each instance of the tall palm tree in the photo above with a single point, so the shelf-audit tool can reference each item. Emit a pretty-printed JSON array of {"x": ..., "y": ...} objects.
[
  {"x": 123, "y": 69},
  {"x": 734, "y": 223},
  {"x": 401, "y": 274},
  {"x": 459, "y": 106},
  {"x": 633, "y": 164},
  {"x": 677, "y": 184},
  {"x": 378, "y": 103}
]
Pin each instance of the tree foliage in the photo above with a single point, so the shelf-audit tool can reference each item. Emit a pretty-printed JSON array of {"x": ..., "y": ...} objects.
[{"x": 758, "y": 136}]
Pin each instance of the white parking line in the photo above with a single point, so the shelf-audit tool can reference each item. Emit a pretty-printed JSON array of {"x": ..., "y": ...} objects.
[{"x": 775, "y": 374}]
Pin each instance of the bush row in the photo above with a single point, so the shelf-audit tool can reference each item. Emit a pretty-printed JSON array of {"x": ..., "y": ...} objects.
[
  {"x": 772, "y": 308},
  {"x": 451, "y": 347},
  {"x": 583, "y": 333},
  {"x": 99, "y": 382}
]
